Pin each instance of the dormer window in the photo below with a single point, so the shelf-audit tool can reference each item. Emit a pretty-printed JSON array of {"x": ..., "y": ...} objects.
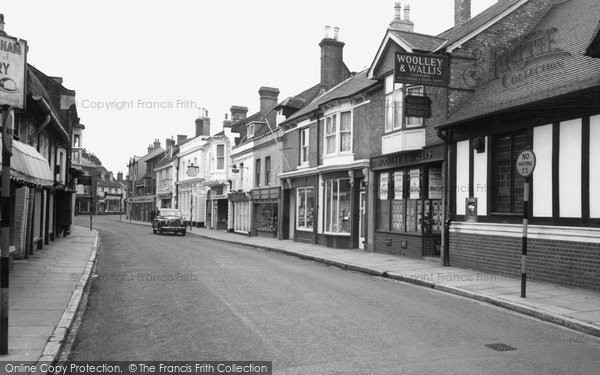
[{"x": 250, "y": 131}]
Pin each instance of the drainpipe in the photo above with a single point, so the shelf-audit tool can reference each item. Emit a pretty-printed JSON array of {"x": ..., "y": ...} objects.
[
  {"x": 447, "y": 138},
  {"x": 39, "y": 130}
]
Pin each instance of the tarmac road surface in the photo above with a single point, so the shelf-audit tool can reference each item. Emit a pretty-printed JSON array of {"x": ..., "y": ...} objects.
[{"x": 167, "y": 297}]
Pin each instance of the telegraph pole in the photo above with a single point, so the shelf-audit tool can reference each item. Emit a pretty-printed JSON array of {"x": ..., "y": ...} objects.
[{"x": 7, "y": 130}]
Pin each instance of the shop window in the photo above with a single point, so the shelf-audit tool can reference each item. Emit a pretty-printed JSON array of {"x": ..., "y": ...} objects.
[
  {"x": 266, "y": 217},
  {"x": 401, "y": 204},
  {"x": 508, "y": 184},
  {"x": 337, "y": 206},
  {"x": 304, "y": 144},
  {"x": 220, "y": 157},
  {"x": 305, "y": 206}
]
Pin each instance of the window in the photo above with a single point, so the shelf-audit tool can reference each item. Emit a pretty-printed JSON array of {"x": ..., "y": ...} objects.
[
  {"x": 508, "y": 184},
  {"x": 76, "y": 140},
  {"x": 305, "y": 203},
  {"x": 304, "y": 145},
  {"x": 345, "y": 132},
  {"x": 330, "y": 134},
  {"x": 338, "y": 133},
  {"x": 220, "y": 157},
  {"x": 250, "y": 131},
  {"x": 394, "y": 98},
  {"x": 337, "y": 206},
  {"x": 267, "y": 171},
  {"x": 257, "y": 172},
  {"x": 412, "y": 122}
]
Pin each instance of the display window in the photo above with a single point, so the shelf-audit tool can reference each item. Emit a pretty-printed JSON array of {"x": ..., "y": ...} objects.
[
  {"x": 337, "y": 206},
  {"x": 305, "y": 207}
]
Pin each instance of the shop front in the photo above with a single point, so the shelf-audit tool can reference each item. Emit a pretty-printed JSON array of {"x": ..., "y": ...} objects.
[
  {"x": 265, "y": 202},
  {"x": 408, "y": 202},
  {"x": 217, "y": 208},
  {"x": 164, "y": 200},
  {"x": 548, "y": 102},
  {"x": 141, "y": 207},
  {"x": 241, "y": 206}
]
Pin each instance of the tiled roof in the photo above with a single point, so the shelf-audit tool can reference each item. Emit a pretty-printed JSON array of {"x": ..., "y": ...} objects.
[
  {"x": 419, "y": 41},
  {"x": 577, "y": 21},
  {"x": 351, "y": 86},
  {"x": 455, "y": 34},
  {"x": 152, "y": 154}
]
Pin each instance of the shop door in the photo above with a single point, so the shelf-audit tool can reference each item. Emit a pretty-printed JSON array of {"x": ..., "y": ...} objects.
[{"x": 362, "y": 219}]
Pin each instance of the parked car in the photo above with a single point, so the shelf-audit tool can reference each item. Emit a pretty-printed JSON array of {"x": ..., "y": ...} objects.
[{"x": 168, "y": 220}]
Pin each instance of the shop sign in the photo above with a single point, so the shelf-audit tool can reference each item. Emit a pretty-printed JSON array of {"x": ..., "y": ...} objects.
[
  {"x": 398, "y": 185},
  {"x": 238, "y": 196},
  {"x": 471, "y": 210},
  {"x": 383, "y": 186},
  {"x": 165, "y": 196},
  {"x": 13, "y": 63},
  {"x": 408, "y": 158},
  {"x": 417, "y": 106},
  {"x": 84, "y": 180},
  {"x": 421, "y": 69},
  {"x": 436, "y": 188},
  {"x": 415, "y": 183},
  {"x": 142, "y": 199}
]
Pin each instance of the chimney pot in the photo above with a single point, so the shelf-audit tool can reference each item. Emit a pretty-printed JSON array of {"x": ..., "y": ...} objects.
[
  {"x": 407, "y": 12},
  {"x": 327, "y": 31},
  {"x": 336, "y": 32},
  {"x": 397, "y": 11}
]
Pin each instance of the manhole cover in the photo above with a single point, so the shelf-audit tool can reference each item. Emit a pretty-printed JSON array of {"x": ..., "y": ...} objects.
[{"x": 500, "y": 347}]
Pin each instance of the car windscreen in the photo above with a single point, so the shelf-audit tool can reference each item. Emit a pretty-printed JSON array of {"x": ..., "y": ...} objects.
[{"x": 170, "y": 213}]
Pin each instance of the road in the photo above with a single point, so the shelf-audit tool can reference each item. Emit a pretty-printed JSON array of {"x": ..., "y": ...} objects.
[{"x": 188, "y": 298}]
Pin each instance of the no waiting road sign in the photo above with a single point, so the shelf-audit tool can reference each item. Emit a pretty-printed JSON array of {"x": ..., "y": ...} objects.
[{"x": 526, "y": 163}]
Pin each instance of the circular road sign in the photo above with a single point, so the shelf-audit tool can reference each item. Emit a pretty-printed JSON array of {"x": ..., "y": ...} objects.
[{"x": 526, "y": 163}]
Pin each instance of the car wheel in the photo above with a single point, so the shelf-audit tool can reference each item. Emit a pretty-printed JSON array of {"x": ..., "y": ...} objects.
[
  {"x": 183, "y": 233},
  {"x": 160, "y": 231},
  {"x": 153, "y": 230}
]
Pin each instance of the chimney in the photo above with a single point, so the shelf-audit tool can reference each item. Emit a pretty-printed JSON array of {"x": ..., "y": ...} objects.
[
  {"x": 462, "y": 12},
  {"x": 156, "y": 144},
  {"x": 226, "y": 122},
  {"x": 332, "y": 59},
  {"x": 181, "y": 138},
  {"x": 238, "y": 113},
  {"x": 400, "y": 24},
  {"x": 2, "y": 24},
  {"x": 120, "y": 176},
  {"x": 203, "y": 123},
  {"x": 150, "y": 148},
  {"x": 169, "y": 142}
]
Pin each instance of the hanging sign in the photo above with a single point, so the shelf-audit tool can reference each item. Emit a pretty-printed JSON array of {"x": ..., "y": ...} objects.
[
  {"x": 421, "y": 69},
  {"x": 13, "y": 65},
  {"x": 417, "y": 106}
]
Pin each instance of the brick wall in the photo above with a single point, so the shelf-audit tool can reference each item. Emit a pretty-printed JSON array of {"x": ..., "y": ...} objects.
[
  {"x": 568, "y": 263},
  {"x": 390, "y": 243},
  {"x": 290, "y": 149},
  {"x": 376, "y": 121}
]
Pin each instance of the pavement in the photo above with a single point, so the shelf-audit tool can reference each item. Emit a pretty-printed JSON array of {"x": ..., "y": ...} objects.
[
  {"x": 575, "y": 308},
  {"x": 44, "y": 294}
]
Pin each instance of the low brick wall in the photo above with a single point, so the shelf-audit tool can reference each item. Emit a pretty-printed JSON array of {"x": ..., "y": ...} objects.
[{"x": 575, "y": 264}]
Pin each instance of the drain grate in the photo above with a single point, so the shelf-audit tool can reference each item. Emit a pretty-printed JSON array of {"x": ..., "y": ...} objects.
[{"x": 500, "y": 347}]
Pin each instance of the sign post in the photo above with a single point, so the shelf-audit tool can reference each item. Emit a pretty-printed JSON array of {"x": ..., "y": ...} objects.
[
  {"x": 525, "y": 165},
  {"x": 13, "y": 61}
]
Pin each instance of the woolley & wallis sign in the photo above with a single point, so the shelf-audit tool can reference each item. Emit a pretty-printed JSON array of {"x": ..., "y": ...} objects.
[{"x": 421, "y": 69}]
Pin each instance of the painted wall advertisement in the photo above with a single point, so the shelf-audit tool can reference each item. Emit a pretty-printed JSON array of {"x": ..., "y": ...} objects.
[
  {"x": 12, "y": 71},
  {"x": 415, "y": 183}
]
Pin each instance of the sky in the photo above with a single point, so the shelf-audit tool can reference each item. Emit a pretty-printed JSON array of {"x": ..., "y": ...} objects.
[{"x": 141, "y": 70}]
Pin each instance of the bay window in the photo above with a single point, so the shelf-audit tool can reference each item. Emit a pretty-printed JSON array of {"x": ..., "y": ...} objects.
[
  {"x": 305, "y": 205},
  {"x": 394, "y": 105},
  {"x": 338, "y": 133},
  {"x": 337, "y": 206},
  {"x": 220, "y": 157}
]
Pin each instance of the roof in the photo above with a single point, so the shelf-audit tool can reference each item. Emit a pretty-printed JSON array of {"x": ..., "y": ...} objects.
[
  {"x": 515, "y": 87},
  {"x": 593, "y": 49},
  {"x": 418, "y": 41},
  {"x": 347, "y": 88},
  {"x": 152, "y": 154},
  {"x": 494, "y": 13}
]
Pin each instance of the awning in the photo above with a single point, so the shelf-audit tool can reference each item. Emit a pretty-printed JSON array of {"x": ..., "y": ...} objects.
[{"x": 28, "y": 166}]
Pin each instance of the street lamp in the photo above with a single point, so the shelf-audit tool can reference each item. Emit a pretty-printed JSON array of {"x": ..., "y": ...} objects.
[{"x": 192, "y": 171}]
